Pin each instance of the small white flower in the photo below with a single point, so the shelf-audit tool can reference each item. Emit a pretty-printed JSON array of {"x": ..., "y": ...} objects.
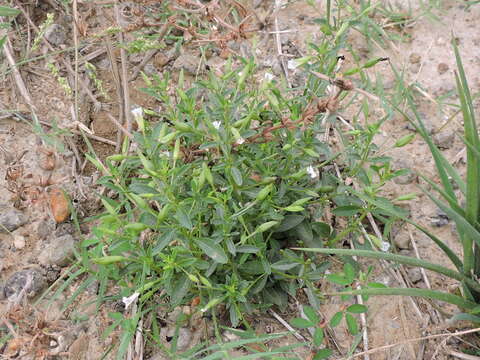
[
  {"x": 130, "y": 300},
  {"x": 292, "y": 64},
  {"x": 137, "y": 112},
  {"x": 268, "y": 76},
  {"x": 240, "y": 141},
  {"x": 312, "y": 172},
  {"x": 240, "y": 74},
  {"x": 216, "y": 124},
  {"x": 385, "y": 246}
]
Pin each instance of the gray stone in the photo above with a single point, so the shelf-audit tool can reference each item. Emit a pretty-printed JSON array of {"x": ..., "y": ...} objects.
[
  {"x": 11, "y": 219},
  {"x": 426, "y": 122},
  {"x": 19, "y": 280},
  {"x": 415, "y": 275},
  {"x": 444, "y": 139},
  {"x": 58, "y": 251},
  {"x": 44, "y": 228},
  {"x": 56, "y": 34},
  {"x": 403, "y": 179},
  {"x": 189, "y": 63}
]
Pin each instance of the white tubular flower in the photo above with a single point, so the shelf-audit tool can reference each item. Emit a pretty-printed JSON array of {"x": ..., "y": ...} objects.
[
  {"x": 216, "y": 124},
  {"x": 268, "y": 76},
  {"x": 312, "y": 172},
  {"x": 130, "y": 299},
  {"x": 137, "y": 112}
]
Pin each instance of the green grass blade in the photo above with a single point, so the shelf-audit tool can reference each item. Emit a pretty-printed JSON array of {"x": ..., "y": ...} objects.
[
  {"x": 400, "y": 259},
  {"x": 462, "y": 223},
  {"x": 473, "y": 165},
  {"x": 423, "y": 293},
  {"x": 448, "y": 252}
]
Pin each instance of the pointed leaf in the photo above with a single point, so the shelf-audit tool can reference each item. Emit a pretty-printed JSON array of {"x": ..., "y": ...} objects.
[{"x": 212, "y": 250}]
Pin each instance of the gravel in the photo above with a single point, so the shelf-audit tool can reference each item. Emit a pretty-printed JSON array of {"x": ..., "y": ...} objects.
[{"x": 11, "y": 219}]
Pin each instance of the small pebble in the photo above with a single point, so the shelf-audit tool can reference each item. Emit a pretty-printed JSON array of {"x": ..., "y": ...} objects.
[
  {"x": 402, "y": 240},
  {"x": 444, "y": 139},
  {"x": 11, "y": 219},
  {"x": 415, "y": 275},
  {"x": 442, "y": 68},
  {"x": 56, "y": 34},
  {"x": 414, "y": 58},
  {"x": 19, "y": 241}
]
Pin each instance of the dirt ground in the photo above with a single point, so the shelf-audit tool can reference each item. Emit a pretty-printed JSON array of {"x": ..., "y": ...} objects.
[{"x": 37, "y": 246}]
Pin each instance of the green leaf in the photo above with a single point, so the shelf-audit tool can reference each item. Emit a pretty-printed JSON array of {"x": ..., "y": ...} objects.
[
  {"x": 183, "y": 218},
  {"x": 349, "y": 271},
  {"x": 212, "y": 250},
  {"x": 7, "y": 11},
  {"x": 357, "y": 309},
  {"x": 318, "y": 336},
  {"x": 335, "y": 320},
  {"x": 107, "y": 260},
  {"x": 322, "y": 354},
  {"x": 348, "y": 210},
  {"x": 301, "y": 323},
  {"x": 294, "y": 208},
  {"x": 351, "y": 324},
  {"x": 265, "y": 226},
  {"x": 236, "y": 175},
  {"x": 180, "y": 289},
  {"x": 289, "y": 222},
  {"x": 162, "y": 241},
  {"x": 311, "y": 314},
  {"x": 338, "y": 279}
]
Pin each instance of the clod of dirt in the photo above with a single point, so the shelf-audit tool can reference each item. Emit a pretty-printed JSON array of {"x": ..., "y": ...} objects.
[
  {"x": 442, "y": 68},
  {"x": 58, "y": 251},
  {"x": 31, "y": 281},
  {"x": 10, "y": 218},
  {"x": 402, "y": 240},
  {"x": 59, "y": 205},
  {"x": 415, "y": 58},
  {"x": 444, "y": 140},
  {"x": 415, "y": 275},
  {"x": 56, "y": 34},
  {"x": 189, "y": 63}
]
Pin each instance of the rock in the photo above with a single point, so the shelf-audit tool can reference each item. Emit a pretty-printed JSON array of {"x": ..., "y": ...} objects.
[
  {"x": 414, "y": 274},
  {"x": 403, "y": 179},
  {"x": 402, "y": 240},
  {"x": 18, "y": 281},
  {"x": 19, "y": 241},
  {"x": 78, "y": 349},
  {"x": 58, "y": 251},
  {"x": 184, "y": 337},
  {"x": 160, "y": 59},
  {"x": 44, "y": 228},
  {"x": 11, "y": 219},
  {"x": 426, "y": 122},
  {"x": 149, "y": 69},
  {"x": 444, "y": 139},
  {"x": 405, "y": 252},
  {"x": 440, "y": 219},
  {"x": 189, "y": 63},
  {"x": 56, "y": 34},
  {"x": 442, "y": 68}
]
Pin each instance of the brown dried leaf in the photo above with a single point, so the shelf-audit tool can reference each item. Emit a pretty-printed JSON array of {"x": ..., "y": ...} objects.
[{"x": 59, "y": 205}]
